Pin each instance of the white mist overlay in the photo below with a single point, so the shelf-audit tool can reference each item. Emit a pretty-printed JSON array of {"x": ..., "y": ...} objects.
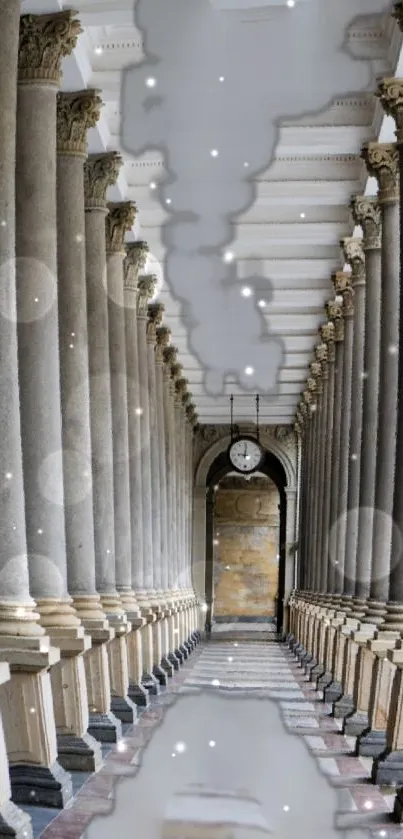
[{"x": 221, "y": 82}]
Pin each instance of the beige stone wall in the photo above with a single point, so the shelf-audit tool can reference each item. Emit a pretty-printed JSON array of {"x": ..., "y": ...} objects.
[{"x": 245, "y": 559}]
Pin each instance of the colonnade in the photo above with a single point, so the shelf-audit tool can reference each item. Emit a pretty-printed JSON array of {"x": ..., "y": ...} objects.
[
  {"x": 346, "y": 618},
  {"x": 97, "y": 607}
]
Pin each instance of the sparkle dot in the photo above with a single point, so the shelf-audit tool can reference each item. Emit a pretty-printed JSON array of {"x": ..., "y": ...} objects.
[
  {"x": 228, "y": 256},
  {"x": 98, "y": 50},
  {"x": 228, "y": 568},
  {"x": 9, "y": 475},
  {"x": 215, "y": 542},
  {"x": 139, "y": 412},
  {"x": 79, "y": 237},
  {"x": 73, "y": 334},
  {"x": 204, "y": 607},
  {"x": 246, "y": 292},
  {"x": 364, "y": 375},
  {"x": 212, "y": 744},
  {"x": 302, "y": 215},
  {"x": 173, "y": 754},
  {"x": 235, "y": 643},
  {"x": 221, "y": 79},
  {"x": 368, "y": 805},
  {"x": 151, "y": 82},
  {"x": 354, "y": 457},
  {"x": 153, "y": 185},
  {"x": 168, "y": 201},
  {"x": 216, "y": 487},
  {"x": 230, "y": 658},
  {"x": 36, "y": 299},
  {"x": 262, "y": 304},
  {"x": 214, "y": 152},
  {"x": 290, "y": 4},
  {"x": 43, "y": 648},
  {"x": 108, "y": 551},
  {"x": 393, "y": 349},
  {"x": 32, "y": 793},
  {"x": 40, "y": 531},
  {"x": 249, "y": 371},
  {"x": 215, "y": 683},
  {"x": 14, "y": 527},
  {"x": 246, "y": 164},
  {"x": 180, "y": 748},
  {"x": 383, "y": 833},
  {"x": 71, "y": 346},
  {"x": 286, "y": 808},
  {"x": 32, "y": 710},
  {"x": 20, "y": 613},
  {"x": 3, "y": 223}
]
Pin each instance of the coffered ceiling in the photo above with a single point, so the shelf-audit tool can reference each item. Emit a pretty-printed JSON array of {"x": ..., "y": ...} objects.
[{"x": 290, "y": 233}]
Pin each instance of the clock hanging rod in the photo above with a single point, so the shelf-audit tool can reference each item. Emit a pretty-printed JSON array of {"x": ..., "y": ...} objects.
[{"x": 235, "y": 428}]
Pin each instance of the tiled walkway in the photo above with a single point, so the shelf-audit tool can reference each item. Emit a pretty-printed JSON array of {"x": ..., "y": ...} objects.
[{"x": 266, "y": 670}]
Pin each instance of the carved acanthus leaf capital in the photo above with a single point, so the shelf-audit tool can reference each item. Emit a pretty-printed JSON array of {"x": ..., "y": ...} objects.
[
  {"x": 135, "y": 261},
  {"x": 382, "y": 162},
  {"x": 327, "y": 332},
  {"x": 118, "y": 222},
  {"x": 44, "y": 41},
  {"x": 390, "y": 93},
  {"x": 181, "y": 390},
  {"x": 146, "y": 285},
  {"x": 344, "y": 289},
  {"x": 304, "y": 409},
  {"x": 155, "y": 315},
  {"x": 191, "y": 414},
  {"x": 308, "y": 398},
  {"x": 76, "y": 113},
  {"x": 366, "y": 212},
  {"x": 100, "y": 172},
  {"x": 170, "y": 357},
  {"x": 354, "y": 255}
]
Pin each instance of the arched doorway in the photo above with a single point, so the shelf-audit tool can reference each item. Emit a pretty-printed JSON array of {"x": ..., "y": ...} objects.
[{"x": 256, "y": 528}]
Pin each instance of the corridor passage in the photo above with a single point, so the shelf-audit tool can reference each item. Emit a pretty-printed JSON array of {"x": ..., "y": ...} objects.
[{"x": 225, "y": 724}]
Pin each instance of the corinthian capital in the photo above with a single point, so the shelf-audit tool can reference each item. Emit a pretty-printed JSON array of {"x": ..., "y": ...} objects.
[
  {"x": 136, "y": 256},
  {"x": 398, "y": 13},
  {"x": 44, "y": 41},
  {"x": 191, "y": 415},
  {"x": 100, "y": 172},
  {"x": 76, "y": 113},
  {"x": 307, "y": 395},
  {"x": 118, "y": 222},
  {"x": 145, "y": 291},
  {"x": 163, "y": 341},
  {"x": 390, "y": 93},
  {"x": 382, "y": 162},
  {"x": 366, "y": 212},
  {"x": 327, "y": 332},
  {"x": 354, "y": 255},
  {"x": 181, "y": 390},
  {"x": 170, "y": 357},
  {"x": 344, "y": 289},
  {"x": 321, "y": 353},
  {"x": 155, "y": 314}
]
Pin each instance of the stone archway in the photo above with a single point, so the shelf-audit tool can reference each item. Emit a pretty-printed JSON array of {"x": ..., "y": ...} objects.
[{"x": 282, "y": 444}]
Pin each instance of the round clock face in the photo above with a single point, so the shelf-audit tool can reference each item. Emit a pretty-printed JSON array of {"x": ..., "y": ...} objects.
[{"x": 245, "y": 455}]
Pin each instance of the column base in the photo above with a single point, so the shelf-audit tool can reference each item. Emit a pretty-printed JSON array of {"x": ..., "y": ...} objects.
[
  {"x": 343, "y": 707},
  {"x": 387, "y": 769},
  {"x": 124, "y": 709},
  {"x": 180, "y": 654},
  {"x": 184, "y": 650},
  {"x": 79, "y": 754},
  {"x": 316, "y": 672},
  {"x": 174, "y": 660},
  {"x": 150, "y": 683},
  {"x": 371, "y": 744},
  {"x": 333, "y": 692},
  {"x": 14, "y": 823},
  {"x": 106, "y": 728},
  {"x": 356, "y": 724},
  {"x": 41, "y": 786},
  {"x": 324, "y": 681},
  {"x": 138, "y": 695},
  {"x": 167, "y": 666},
  {"x": 160, "y": 675},
  {"x": 397, "y": 809}
]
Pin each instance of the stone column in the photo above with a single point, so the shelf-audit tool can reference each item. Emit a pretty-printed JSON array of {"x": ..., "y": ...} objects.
[
  {"x": 315, "y": 386},
  {"x": 366, "y": 212},
  {"x": 76, "y": 113},
  {"x": 44, "y": 40},
  {"x": 147, "y": 597},
  {"x": 136, "y": 256},
  {"x": 328, "y": 336},
  {"x": 321, "y": 360},
  {"x": 354, "y": 256},
  {"x": 118, "y": 222},
  {"x": 22, "y": 639},
  {"x": 162, "y": 341},
  {"x": 391, "y": 95},
  {"x": 169, "y": 355},
  {"x": 335, "y": 310},
  {"x": 343, "y": 287},
  {"x": 100, "y": 172},
  {"x": 307, "y": 395},
  {"x": 155, "y": 313},
  {"x": 382, "y": 161}
]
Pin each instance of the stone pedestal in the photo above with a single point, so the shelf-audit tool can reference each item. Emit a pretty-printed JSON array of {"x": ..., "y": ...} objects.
[
  {"x": 122, "y": 705},
  {"x": 13, "y": 821},
  {"x": 103, "y": 725},
  {"x": 373, "y": 741}
]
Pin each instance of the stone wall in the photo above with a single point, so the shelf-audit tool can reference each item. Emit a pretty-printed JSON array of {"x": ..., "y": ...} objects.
[{"x": 247, "y": 522}]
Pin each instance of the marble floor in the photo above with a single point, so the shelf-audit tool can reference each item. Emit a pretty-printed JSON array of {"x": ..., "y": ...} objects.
[{"x": 239, "y": 715}]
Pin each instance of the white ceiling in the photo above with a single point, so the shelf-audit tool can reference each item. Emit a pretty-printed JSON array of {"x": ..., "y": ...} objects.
[{"x": 315, "y": 171}]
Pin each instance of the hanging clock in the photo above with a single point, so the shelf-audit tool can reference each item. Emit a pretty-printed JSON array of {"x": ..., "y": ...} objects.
[{"x": 245, "y": 454}]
